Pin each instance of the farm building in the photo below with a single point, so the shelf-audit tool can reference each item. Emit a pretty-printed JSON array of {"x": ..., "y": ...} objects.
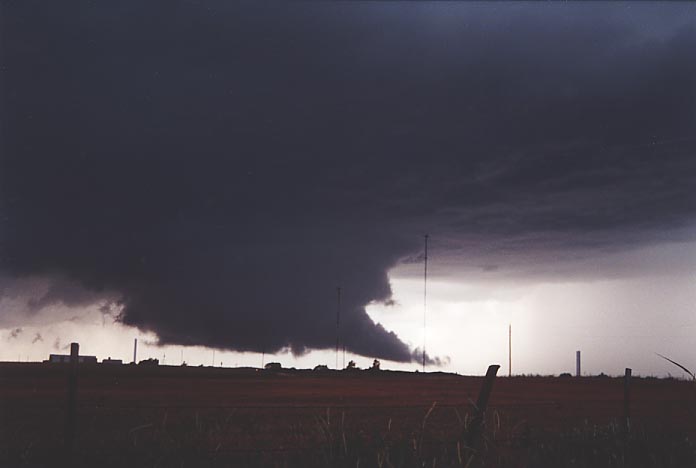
[
  {"x": 58, "y": 358},
  {"x": 112, "y": 361}
]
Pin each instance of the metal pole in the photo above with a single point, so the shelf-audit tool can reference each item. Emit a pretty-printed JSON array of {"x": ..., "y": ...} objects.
[
  {"x": 510, "y": 350},
  {"x": 425, "y": 293},
  {"x": 135, "y": 351},
  {"x": 577, "y": 364},
  {"x": 338, "y": 320},
  {"x": 343, "y": 338}
]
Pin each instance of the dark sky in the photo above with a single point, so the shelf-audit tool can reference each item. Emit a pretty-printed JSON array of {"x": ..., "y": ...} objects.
[{"x": 218, "y": 168}]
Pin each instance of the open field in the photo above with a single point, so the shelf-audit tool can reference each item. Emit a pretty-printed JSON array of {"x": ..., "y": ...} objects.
[{"x": 172, "y": 416}]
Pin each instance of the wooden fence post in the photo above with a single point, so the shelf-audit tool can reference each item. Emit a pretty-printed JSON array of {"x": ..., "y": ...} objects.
[
  {"x": 70, "y": 416},
  {"x": 476, "y": 427},
  {"x": 627, "y": 399}
]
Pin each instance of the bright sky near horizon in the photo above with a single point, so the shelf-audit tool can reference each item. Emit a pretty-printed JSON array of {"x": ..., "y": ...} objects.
[{"x": 466, "y": 322}]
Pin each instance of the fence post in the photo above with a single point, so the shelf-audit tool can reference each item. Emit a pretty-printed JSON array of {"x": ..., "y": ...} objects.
[
  {"x": 71, "y": 404},
  {"x": 627, "y": 399},
  {"x": 479, "y": 412}
]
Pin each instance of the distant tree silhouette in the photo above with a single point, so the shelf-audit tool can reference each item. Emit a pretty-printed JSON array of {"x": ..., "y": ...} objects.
[
  {"x": 149, "y": 362},
  {"x": 375, "y": 365}
]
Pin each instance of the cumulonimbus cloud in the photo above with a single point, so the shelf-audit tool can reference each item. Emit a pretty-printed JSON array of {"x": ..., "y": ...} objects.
[{"x": 219, "y": 183}]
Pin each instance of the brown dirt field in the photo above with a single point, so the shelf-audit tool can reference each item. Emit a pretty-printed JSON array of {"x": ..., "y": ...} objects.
[{"x": 129, "y": 415}]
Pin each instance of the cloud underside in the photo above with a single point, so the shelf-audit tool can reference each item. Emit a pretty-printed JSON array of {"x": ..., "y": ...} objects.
[{"x": 220, "y": 178}]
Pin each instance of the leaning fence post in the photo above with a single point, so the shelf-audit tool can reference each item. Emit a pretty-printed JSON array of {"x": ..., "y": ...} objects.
[
  {"x": 627, "y": 399},
  {"x": 72, "y": 399},
  {"x": 476, "y": 426}
]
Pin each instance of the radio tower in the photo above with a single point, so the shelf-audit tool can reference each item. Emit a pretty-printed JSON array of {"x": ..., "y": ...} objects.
[
  {"x": 338, "y": 320},
  {"x": 425, "y": 294}
]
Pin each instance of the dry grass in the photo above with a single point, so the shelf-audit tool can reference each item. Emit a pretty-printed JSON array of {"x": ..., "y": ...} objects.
[{"x": 401, "y": 421}]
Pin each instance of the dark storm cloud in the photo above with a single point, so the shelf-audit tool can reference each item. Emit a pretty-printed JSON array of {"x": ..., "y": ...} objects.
[
  {"x": 68, "y": 293},
  {"x": 221, "y": 168}
]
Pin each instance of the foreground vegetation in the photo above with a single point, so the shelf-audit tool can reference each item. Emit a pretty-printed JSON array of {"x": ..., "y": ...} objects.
[
  {"x": 340, "y": 439},
  {"x": 206, "y": 418}
]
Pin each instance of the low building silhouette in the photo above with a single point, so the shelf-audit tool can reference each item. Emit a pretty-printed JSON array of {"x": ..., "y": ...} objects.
[{"x": 65, "y": 358}]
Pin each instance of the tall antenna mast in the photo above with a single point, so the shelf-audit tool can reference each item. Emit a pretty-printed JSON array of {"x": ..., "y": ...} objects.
[
  {"x": 338, "y": 320},
  {"x": 425, "y": 294},
  {"x": 510, "y": 350}
]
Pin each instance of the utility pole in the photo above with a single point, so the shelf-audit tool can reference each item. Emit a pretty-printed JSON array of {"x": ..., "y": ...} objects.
[
  {"x": 425, "y": 293},
  {"x": 510, "y": 350},
  {"x": 343, "y": 338},
  {"x": 338, "y": 320}
]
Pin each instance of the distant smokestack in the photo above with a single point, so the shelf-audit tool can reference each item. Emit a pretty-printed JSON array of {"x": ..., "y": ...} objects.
[
  {"x": 577, "y": 363},
  {"x": 135, "y": 351}
]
